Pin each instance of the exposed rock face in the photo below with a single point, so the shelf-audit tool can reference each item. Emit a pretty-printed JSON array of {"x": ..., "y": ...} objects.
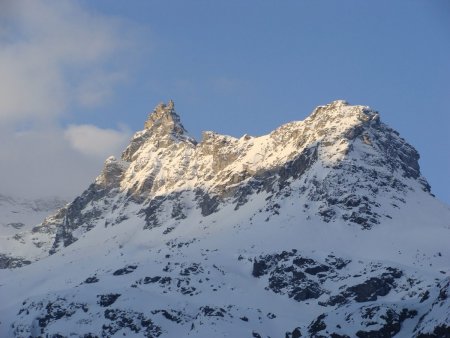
[
  {"x": 112, "y": 173},
  {"x": 164, "y": 120},
  {"x": 162, "y": 128},
  {"x": 8, "y": 262}
]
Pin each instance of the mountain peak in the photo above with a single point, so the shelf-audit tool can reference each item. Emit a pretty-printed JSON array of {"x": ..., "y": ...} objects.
[
  {"x": 162, "y": 129},
  {"x": 165, "y": 119},
  {"x": 341, "y": 113},
  {"x": 338, "y": 103}
]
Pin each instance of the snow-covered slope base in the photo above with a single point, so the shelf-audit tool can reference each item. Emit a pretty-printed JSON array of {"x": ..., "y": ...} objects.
[{"x": 323, "y": 228}]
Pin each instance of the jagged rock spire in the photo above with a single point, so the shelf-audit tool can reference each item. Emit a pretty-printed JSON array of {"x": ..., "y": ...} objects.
[
  {"x": 162, "y": 128},
  {"x": 164, "y": 119}
]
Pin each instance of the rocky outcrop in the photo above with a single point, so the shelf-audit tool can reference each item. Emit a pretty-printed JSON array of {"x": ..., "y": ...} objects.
[
  {"x": 8, "y": 262},
  {"x": 112, "y": 172}
]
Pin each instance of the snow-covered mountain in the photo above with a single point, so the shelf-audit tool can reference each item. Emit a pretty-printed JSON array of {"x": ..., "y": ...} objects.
[
  {"x": 17, "y": 217},
  {"x": 323, "y": 228}
]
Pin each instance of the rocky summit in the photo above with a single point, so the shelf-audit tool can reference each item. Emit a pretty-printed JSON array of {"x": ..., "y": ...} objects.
[{"x": 322, "y": 228}]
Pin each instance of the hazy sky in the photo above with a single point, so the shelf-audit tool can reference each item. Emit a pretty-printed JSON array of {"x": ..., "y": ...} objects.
[{"x": 77, "y": 78}]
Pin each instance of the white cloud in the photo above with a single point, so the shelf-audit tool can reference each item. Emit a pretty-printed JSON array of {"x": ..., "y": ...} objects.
[
  {"x": 50, "y": 161},
  {"x": 93, "y": 141},
  {"x": 57, "y": 58},
  {"x": 49, "y": 51},
  {"x": 38, "y": 164}
]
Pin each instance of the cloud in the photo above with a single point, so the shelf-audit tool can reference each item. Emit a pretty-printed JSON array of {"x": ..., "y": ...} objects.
[
  {"x": 46, "y": 162},
  {"x": 93, "y": 141},
  {"x": 57, "y": 59},
  {"x": 53, "y": 55}
]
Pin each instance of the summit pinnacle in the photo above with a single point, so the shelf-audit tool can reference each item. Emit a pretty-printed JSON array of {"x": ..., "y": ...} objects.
[{"x": 165, "y": 119}]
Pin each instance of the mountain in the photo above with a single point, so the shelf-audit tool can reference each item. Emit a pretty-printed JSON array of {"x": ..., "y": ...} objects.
[
  {"x": 322, "y": 228},
  {"x": 18, "y": 217}
]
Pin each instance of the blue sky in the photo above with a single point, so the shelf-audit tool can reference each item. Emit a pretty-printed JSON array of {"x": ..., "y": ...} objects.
[{"x": 238, "y": 67}]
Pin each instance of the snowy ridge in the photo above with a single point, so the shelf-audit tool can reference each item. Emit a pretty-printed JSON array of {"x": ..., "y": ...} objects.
[
  {"x": 220, "y": 160},
  {"x": 323, "y": 228},
  {"x": 337, "y": 143}
]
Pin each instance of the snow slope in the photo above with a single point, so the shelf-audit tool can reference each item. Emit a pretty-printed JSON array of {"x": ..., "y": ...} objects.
[
  {"x": 17, "y": 218},
  {"x": 323, "y": 228}
]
